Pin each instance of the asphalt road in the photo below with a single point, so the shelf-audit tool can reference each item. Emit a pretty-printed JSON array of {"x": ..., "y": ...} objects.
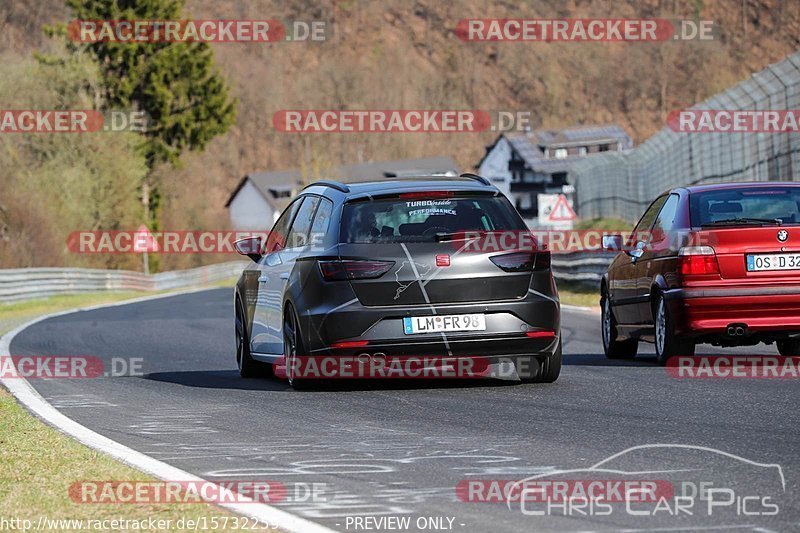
[{"x": 400, "y": 449}]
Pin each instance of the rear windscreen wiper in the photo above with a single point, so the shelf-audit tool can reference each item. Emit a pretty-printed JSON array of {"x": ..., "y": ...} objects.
[
  {"x": 461, "y": 235},
  {"x": 744, "y": 220}
]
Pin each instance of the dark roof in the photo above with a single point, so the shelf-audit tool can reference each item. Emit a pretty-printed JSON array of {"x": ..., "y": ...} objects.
[
  {"x": 739, "y": 185},
  {"x": 411, "y": 183},
  {"x": 272, "y": 184},
  {"x": 530, "y": 146},
  {"x": 581, "y": 134},
  {"x": 398, "y": 167}
]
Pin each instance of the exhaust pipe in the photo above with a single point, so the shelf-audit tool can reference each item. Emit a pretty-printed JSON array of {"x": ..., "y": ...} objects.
[{"x": 735, "y": 330}]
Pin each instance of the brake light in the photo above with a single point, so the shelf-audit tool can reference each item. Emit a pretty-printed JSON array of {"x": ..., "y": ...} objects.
[
  {"x": 540, "y": 334},
  {"x": 353, "y": 269},
  {"x": 523, "y": 261},
  {"x": 349, "y": 344},
  {"x": 427, "y": 194},
  {"x": 698, "y": 261}
]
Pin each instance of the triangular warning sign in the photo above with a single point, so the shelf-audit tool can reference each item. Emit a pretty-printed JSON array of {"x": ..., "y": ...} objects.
[
  {"x": 143, "y": 240},
  {"x": 561, "y": 211}
]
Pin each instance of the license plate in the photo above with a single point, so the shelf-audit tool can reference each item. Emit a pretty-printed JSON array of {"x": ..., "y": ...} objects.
[
  {"x": 761, "y": 262},
  {"x": 443, "y": 323}
]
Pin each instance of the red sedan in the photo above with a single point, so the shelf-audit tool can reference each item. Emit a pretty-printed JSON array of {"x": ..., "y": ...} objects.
[{"x": 716, "y": 264}]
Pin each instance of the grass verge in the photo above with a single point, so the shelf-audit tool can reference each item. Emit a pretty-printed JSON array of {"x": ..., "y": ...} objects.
[
  {"x": 38, "y": 464},
  {"x": 16, "y": 313},
  {"x": 578, "y": 294},
  {"x": 603, "y": 224}
]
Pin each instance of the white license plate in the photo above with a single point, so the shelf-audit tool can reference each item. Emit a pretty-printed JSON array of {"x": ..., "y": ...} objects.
[
  {"x": 761, "y": 262},
  {"x": 443, "y": 323}
]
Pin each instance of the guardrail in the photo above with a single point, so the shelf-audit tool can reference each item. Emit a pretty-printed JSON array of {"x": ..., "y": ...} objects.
[
  {"x": 20, "y": 284},
  {"x": 586, "y": 268},
  {"x": 623, "y": 184}
]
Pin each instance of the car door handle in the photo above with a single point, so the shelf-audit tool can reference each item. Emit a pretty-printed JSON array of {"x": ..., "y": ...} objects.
[
  {"x": 262, "y": 278},
  {"x": 285, "y": 275}
]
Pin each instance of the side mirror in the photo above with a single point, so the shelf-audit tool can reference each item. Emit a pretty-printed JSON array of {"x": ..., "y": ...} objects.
[
  {"x": 638, "y": 250},
  {"x": 612, "y": 242},
  {"x": 249, "y": 246}
]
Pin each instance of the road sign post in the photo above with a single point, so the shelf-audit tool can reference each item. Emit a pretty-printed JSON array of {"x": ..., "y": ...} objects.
[
  {"x": 555, "y": 211},
  {"x": 144, "y": 243}
]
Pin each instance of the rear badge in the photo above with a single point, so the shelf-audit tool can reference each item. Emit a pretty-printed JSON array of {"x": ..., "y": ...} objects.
[
  {"x": 783, "y": 235},
  {"x": 442, "y": 260}
]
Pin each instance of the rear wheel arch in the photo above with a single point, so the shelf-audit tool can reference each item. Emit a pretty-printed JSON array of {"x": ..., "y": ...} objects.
[
  {"x": 604, "y": 288},
  {"x": 657, "y": 288},
  {"x": 655, "y": 294},
  {"x": 289, "y": 307},
  {"x": 239, "y": 308}
]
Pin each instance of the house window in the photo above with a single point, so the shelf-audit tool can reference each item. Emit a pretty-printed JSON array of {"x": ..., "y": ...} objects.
[
  {"x": 280, "y": 193},
  {"x": 604, "y": 148},
  {"x": 582, "y": 150},
  {"x": 560, "y": 153}
]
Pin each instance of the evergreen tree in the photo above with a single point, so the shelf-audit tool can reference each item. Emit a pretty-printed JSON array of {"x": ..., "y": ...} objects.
[{"x": 175, "y": 83}]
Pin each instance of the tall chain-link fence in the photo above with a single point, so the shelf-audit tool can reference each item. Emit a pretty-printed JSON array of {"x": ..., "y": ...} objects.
[{"x": 622, "y": 185}]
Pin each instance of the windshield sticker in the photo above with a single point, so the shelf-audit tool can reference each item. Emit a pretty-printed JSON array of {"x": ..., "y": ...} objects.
[
  {"x": 420, "y": 203},
  {"x": 432, "y": 211}
]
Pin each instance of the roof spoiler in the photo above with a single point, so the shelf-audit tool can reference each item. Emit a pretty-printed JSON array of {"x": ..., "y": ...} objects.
[
  {"x": 330, "y": 183},
  {"x": 475, "y": 177}
]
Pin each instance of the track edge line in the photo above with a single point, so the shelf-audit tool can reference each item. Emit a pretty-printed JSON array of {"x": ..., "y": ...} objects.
[{"x": 36, "y": 404}]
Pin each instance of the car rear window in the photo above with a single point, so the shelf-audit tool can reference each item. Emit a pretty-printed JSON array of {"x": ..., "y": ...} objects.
[
  {"x": 710, "y": 207},
  {"x": 421, "y": 219}
]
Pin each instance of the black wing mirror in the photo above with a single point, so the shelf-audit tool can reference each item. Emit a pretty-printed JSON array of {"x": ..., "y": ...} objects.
[{"x": 249, "y": 246}]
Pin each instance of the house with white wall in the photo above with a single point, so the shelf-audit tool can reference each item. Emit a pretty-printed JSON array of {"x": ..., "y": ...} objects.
[
  {"x": 525, "y": 164},
  {"x": 259, "y": 197}
]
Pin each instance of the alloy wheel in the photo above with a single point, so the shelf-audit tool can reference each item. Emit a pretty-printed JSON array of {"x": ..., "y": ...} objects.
[
  {"x": 239, "y": 340},
  {"x": 606, "y": 323},
  {"x": 661, "y": 326},
  {"x": 290, "y": 345}
]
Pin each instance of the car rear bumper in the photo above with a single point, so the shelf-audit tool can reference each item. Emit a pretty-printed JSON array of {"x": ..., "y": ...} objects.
[
  {"x": 380, "y": 366},
  {"x": 507, "y": 323},
  {"x": 710, "y": 310}
]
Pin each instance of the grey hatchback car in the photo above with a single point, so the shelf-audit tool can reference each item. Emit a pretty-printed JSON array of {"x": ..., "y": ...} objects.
[{"x": 379, "y": 269}]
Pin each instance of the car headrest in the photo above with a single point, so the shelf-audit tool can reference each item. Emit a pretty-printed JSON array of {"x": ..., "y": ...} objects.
[
  {"x": 725, "y": 207},
  {"x": 411, "y": 228}
]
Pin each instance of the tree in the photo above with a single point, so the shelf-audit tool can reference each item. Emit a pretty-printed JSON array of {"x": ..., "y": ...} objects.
[{"x": 175, "y": 83}]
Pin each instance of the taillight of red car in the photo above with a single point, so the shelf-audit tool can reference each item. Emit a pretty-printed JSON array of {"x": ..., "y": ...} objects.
[{"x": 698, "y": 261}]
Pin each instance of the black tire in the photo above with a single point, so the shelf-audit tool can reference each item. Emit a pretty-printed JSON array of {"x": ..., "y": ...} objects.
[
  {"x": 248, "y": 367},
  {"x": 789, "y": 347},
  {"x": 549, "y": 370},
  {"x": 293, "y": 347},
  {"x": 613, "y": 348},
  {"x": 668, "y": 343}
]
